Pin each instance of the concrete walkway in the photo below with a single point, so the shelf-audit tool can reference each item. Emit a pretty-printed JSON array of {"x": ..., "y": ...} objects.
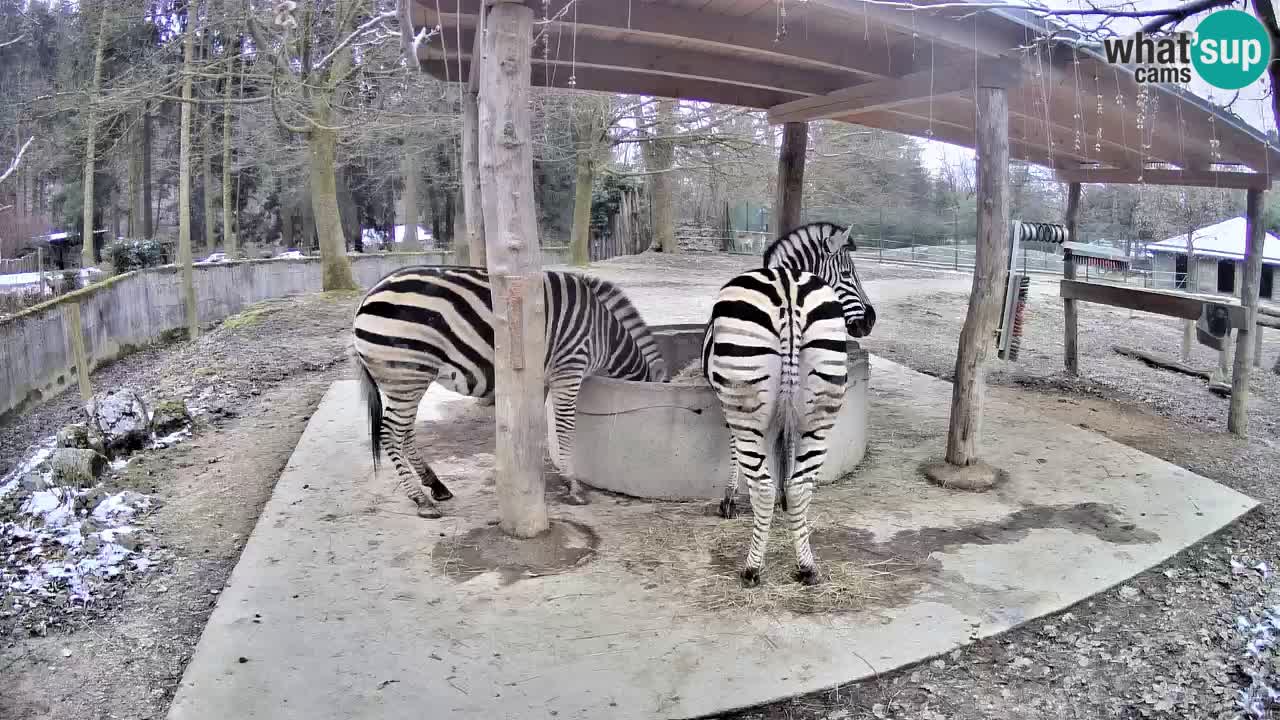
[{"x": 347, "y": 605}]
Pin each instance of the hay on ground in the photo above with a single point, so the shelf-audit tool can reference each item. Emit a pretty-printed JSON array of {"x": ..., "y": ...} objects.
[{"x": 696, "y": 556}]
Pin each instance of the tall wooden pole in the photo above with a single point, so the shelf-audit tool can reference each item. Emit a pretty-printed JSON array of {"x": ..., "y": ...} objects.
[
  {"x": 514, "y": 261},
  {"x": 990, "y": 269},
  {"x": 790, "y": 195},
  {"x": 1070, "y": 351},
  {"x": 1237, "y": 415},
  {"x": 472, "y": 213}
]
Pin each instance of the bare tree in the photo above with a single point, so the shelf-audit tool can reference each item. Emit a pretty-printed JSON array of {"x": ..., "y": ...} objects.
[
  {"x": 184, "y": 182},
  {"x": 87, "y": 256},
  {"x": 17, "y": 160}
]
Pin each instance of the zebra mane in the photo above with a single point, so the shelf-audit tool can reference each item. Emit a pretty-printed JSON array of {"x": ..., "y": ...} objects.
[
  {"x": 619, "y": 305},
  {"x": 808, "y": 241}
]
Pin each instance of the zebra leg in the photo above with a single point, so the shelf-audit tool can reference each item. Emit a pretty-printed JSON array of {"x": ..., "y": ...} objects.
[
  {"x": 729, "y": 505},
  {"x": 754, "y": 466},
  {"x": 398, "y": 415},
  {"x": 799, "y": 491},
  {"x": 438, "y": 489},
  {"x": 564, "y": 401}
]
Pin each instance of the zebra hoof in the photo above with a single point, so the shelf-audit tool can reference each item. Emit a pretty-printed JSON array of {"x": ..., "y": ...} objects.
[
  {"x": 806, "y": 576},
  {"x": 575, "y": 499},
  {"x": 430, "y": 512},
  {"x": 728, "y": 508},
  {"x": 750, "y": 577},
  {"x": 440, "y": 493}
]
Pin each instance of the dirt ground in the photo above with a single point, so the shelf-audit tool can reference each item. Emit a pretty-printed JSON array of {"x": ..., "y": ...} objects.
[
  {"x": 1162, "y": 646},
  {"x": 261, "y": 375}
]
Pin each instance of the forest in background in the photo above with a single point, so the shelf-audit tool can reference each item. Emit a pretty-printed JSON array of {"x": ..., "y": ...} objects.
[{"x": 302, "y": 127}]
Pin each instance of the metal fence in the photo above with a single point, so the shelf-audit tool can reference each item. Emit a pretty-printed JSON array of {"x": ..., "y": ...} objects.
[{"x": 12, "y": 266}]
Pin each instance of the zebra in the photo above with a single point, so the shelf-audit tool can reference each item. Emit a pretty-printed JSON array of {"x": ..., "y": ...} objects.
[
  {"x": 825, "y": 249},
  {"x": 425, "y": 324},
  {"x": 774, "y": 352}
]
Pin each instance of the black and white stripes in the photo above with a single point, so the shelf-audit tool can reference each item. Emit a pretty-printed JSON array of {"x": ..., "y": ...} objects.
[
  {"x": 429, "y": 324},
  {"x": 774, "y": 353},
  {"x": 826, "y": 250}
]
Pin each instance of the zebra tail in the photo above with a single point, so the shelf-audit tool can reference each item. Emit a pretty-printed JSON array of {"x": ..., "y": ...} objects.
[
  {"x": 784, "y": 446},
  {"x": 373, "y": 400}
]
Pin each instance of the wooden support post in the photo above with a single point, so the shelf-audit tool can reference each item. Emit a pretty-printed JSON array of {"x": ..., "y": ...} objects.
[
  {"x": 962, "y": 468},
  {"x": 790, "y": 195},
  {"x": 40, "y": 269},
  {"x": 1070, "y": 351},
  {"x": 75, "y": 340},
  {"x": 1237, "y": 415},
  {"x": 514, "y": 261},
  {"x": 472, "y": 212}
]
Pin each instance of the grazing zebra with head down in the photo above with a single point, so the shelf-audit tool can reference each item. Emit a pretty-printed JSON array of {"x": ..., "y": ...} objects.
[
  {"x": 427, "y": 324},
  {"x": 775, "y": 355}
]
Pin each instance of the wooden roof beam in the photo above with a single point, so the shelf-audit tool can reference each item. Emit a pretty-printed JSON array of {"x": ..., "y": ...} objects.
[
  {"x": 892, "y": 92},
  {"x": 955, "y": 133},
  {"x": 931, "y": 25},
  {"x": 1152, "y": 176},
  {"x": 674, "y": 25},
  {"x": 675, "y": 62},
  {"x": 628, "y": 82}
]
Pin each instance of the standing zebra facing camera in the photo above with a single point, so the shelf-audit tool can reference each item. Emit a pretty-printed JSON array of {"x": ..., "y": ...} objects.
[
  {"x": 426, "y": 324},
  {"x": 775, "y": 353}
]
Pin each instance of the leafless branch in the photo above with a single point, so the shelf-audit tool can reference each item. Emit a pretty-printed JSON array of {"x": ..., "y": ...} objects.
[
  {"x": 408, "y": 44},
  {"x": 367, "y": 27},
  {"x": 14, "y": 41},
  {"x": 13, "y": 167}
]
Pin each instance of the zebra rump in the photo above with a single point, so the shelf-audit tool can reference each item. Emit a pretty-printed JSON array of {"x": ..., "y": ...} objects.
[
  {"x": 774, "y": 353},
  {"x": 434, "y": 324}
]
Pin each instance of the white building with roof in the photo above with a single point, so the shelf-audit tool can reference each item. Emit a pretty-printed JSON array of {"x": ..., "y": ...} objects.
[{"x": 1218, "y": 257}]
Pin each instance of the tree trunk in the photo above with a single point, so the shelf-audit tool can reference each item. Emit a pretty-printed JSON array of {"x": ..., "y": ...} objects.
[
  {"x": 515, "y": 273},
  {"x": 790, "y": 195},
  {"x": 1070, "y": 351},
  {"x": 1238, "y": 412},
  {"x": 990, "y": 271},
  {"x": 206, "y": 181},
  {"x": 662, "y": 158},
  {"x": 145, "y": 210},
  {"x": 229, "y": 241},
  {"x": 136, "y": 211},
  {"x": 335, "y": 266},
  {"x": 409, "y": 199},
  {"x": 580, "y": 235},
  {"x": 87, "y": 256},
  {"x": 446, "y": 240},
  {"x": 472, "y": 213},
  {"x": 184, "y": 187}
]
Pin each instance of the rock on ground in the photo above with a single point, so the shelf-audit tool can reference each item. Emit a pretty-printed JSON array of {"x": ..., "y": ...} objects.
[
  {"x": 169, "y": 416},
  {"x": 77, "y": 467},
  {"x": 122, "y": 418},
  {"x": 80, "y": 435}
]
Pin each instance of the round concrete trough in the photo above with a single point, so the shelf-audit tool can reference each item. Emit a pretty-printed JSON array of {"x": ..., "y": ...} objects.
[{"x": 669, "y": 441}]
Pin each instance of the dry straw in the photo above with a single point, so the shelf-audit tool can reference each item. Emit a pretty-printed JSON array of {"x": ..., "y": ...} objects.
[{"x": 697, "y": 557}]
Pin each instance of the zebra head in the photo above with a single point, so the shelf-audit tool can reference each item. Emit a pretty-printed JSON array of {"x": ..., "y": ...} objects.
[{"x": 838, "y": 271}]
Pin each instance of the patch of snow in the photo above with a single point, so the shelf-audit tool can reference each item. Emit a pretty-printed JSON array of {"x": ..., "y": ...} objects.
[
  {"x": 171, "y": 439},
  {"x": 41, "y": 453},
  {"x": 120, "y": 506},
  {"x": 44, "y": 551}
]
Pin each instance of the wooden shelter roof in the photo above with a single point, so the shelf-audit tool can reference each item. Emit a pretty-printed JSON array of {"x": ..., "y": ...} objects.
[{"x": 880, "y": 66}]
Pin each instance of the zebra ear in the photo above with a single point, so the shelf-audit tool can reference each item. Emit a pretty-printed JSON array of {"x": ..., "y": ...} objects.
[{"x": 842, "y": 240}]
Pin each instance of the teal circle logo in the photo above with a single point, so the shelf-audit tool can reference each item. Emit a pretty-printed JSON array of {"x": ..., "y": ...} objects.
[{"x": 1232, "y": 49}]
